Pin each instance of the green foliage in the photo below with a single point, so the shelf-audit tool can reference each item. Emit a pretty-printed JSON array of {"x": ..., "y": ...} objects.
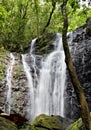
[
  {"x": 77, "y": 16},
  {"x": 23, "y": 20},
  {"x": 14, "y": 26}
]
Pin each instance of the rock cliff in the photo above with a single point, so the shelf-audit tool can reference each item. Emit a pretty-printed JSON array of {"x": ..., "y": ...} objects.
[{"x": 80, "y": 48}]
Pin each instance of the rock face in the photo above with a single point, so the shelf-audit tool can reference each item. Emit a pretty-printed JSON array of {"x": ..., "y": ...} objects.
[
  {"x": 18, "y": 90},
  {"x": 88, "y": 30},
  {"x": 3, "y": 66},
  {"x": 80, "y": 48}
]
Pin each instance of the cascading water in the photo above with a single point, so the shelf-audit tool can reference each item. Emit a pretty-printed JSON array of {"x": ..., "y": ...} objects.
[
  {"x": 48, "y": 86},
  {"x": 30, "y": 104},
  {"x": 9, "y": 83},
  {"x": 52, "y": 82},
  {"x": 31, "y": 82}
]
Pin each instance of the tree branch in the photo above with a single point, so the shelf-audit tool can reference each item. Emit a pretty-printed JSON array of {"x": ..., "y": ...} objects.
[{"x": 50, "y": 17}]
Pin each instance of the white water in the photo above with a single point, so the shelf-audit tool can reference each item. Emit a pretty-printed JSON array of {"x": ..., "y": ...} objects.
[
  {"x": 9, "y": 83},
  {"x": 50, "y": 98},
  {"x": 47, "y": 89},
  {"x": 86, "y": 3},
  {"x": 30, "y": 104},
  {"x": 33, "y": 59}
]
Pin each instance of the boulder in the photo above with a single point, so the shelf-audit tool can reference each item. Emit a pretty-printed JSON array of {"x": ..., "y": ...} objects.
[
  {"x": 6, "y": 124},
  {"x": 44, "y": 122}
]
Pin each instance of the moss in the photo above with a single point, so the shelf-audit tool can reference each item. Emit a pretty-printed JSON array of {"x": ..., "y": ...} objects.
[
  {"x": 47, "y": 122},
  {"x": 76, "y": 125},
  {"x": 28, "y": 127},
  {"x": 6, "y": 124}
]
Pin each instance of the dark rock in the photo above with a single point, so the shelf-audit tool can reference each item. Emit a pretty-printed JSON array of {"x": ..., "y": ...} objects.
[
  {"x": 88, "y": 29},
  {"x": 81, "y": 55},
  {"x": 44, "y": 44},
  {"x": 14, "y": 117},
  {"x": 18, "y": 119}
]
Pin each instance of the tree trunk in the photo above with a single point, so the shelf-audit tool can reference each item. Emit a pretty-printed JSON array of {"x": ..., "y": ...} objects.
[
  {"x": 50, "y": 17},
  {"x": 37, "y": 17},
  {"x": 85, "y": 115}
]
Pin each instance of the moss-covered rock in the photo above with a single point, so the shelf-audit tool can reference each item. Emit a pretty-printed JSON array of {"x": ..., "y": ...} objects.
[
  {"x": 50, "y": 122},
  {"x": 6, "y": 124},
  {"x": 77, "y": 125},
  {"x": 3, "y": 65},
  {"x": 44, "y": 44},
  {"x": 45, "y": 122},
  {"x": 28, "y": 127}
]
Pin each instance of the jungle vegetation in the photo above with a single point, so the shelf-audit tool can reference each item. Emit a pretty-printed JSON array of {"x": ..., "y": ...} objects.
[{"x": 23, "y": 20}]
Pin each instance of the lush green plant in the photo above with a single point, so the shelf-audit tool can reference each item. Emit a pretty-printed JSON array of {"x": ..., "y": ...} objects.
[{"x": 23, "y": 20}]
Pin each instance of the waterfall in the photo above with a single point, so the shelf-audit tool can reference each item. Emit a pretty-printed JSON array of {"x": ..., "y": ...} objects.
[
  {"x": 47, "y": 87},
  {"x": 9, "y": 83},
  {"x": 50, "y": 98},
  {"x": 31, "y": 82}
]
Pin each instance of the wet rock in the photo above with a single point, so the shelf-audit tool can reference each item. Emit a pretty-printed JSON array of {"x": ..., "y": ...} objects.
[
  {"x": 80, "y": 48},
  {"x": 3, "y": 66}
]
